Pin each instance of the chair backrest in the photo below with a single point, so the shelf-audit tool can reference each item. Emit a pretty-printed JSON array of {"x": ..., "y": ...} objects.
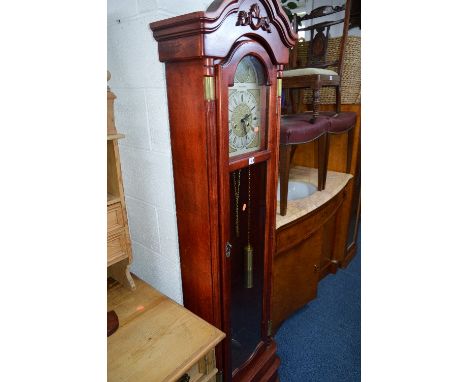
[{"x": 320, "y": 33}]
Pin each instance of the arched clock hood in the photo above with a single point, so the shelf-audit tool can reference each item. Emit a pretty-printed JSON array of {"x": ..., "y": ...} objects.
[{"x": 192, "y": 35}]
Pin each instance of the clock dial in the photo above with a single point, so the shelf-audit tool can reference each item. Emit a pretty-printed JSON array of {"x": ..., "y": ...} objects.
[
  {"x": 245, "y": 109},
  {"x": 244, "y": 121}
]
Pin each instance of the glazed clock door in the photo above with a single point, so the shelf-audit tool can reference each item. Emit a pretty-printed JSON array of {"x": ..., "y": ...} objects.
[
  {"x": 251, "y": 108},
  {"x": 247, "y": 99},
  {"x": 247, "y": 261}
]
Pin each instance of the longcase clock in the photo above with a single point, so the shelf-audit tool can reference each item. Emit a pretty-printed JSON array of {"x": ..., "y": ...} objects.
[{"x": 223, "y": 73}]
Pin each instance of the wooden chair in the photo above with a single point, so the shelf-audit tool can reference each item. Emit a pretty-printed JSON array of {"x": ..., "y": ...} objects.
[
  {"x": 296, "y": 129},
  {"x": 341, "y": 123},
  {"x": 314, "y": 73},
  {"x": 300, "y": 128}
]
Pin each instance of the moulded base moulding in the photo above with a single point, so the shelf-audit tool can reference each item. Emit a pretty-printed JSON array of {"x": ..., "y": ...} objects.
[
  {"x": 271, "y": 375},
  {"x": 264, "y": 367}
]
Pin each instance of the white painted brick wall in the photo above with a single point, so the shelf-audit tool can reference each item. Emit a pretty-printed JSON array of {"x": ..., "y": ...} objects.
[{"x": 138, "y": 81}]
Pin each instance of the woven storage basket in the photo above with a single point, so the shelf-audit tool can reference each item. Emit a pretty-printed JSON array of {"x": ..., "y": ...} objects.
[{"x": 351, "y": 79}]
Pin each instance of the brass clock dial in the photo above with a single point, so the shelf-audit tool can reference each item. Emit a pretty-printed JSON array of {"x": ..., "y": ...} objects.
[
  {"x": 244, "y": 109},
  {"x": 244, "y": 120}
]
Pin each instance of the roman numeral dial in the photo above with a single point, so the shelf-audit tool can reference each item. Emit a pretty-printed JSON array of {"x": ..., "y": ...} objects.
[{"x": 244, "y": 109}]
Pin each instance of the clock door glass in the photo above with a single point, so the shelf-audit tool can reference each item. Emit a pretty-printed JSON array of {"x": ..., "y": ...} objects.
[
  {"x": 247, "y": 236},
  {"x": 246, "y": 106}
]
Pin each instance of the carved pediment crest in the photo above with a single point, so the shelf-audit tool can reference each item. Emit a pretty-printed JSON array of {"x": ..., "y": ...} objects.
[{"x": 254, "y": 19}]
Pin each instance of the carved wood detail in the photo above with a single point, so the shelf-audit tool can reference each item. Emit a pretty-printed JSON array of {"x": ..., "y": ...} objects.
[
  {"x": 195, "y": 35},
  {"x": 245, "y": 18}
]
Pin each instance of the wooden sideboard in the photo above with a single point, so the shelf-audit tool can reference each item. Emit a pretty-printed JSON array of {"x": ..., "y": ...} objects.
[
  {"x": 318, "y": 235},
  {"x": 158, "y": 340},
  {"x": 310, "y": 242}
]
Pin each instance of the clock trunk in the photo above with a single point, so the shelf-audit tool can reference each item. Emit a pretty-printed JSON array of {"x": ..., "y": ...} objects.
[{"x": 226, "y": 204}]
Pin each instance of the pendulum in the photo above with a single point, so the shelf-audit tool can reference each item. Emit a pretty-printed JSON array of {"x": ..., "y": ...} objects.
[
  {"x": 248, "y": 266},
  {"x": 236, "y": 197},
  {"x": 248, "y": 249}
]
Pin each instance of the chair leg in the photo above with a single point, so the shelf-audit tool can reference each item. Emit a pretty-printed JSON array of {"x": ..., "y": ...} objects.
[
  {"x": 338, "y": 98},
  {"x": 285, "y": 162},
  {"x": 315, "y": 104},
  {"x": 349, "y": 153},
  {"x": 293, "y": 150},
  {"x": 323, "y": 149}
]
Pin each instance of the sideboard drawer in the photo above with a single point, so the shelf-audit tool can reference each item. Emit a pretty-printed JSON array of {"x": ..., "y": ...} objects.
[
  {"x": 203, "y": 371},
  {"x": 116, "y": 247},
  {"x": 297, "y": 231},
  {"x": 114, "y": 217}
]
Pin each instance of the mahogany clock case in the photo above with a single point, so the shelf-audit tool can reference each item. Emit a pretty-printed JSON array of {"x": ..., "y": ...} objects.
[{"x": 202, "y": 51}]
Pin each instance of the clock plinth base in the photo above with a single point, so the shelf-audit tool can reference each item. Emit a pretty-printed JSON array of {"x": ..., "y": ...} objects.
[{"x": 262, "y": 368}]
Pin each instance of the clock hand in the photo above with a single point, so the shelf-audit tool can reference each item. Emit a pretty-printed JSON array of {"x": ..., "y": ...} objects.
[{"x": 244, "y": 125}]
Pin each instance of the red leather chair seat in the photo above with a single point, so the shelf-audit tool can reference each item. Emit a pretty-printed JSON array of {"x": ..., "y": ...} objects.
[
  {"x": 296, "y": 128},
  {"x": 341, "y": 122}
]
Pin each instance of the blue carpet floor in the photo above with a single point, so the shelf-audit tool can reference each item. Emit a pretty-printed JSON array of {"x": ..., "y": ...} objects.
[{"x": 322, "y": 341}]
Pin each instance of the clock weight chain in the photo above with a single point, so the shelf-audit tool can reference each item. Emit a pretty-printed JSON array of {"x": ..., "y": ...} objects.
[
  {"x": 248, "y": 250},
  {"x": 236, "y": 183}
]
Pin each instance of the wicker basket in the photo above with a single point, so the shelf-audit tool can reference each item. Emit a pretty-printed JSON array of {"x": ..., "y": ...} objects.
[{"x": 351, "y": 79}]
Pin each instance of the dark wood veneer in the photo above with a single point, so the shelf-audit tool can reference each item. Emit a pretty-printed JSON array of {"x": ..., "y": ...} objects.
[{"x": 211, "y": 44}]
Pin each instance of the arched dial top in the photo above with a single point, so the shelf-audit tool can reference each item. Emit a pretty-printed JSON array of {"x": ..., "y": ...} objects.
[{"x": 246, "y": 99}]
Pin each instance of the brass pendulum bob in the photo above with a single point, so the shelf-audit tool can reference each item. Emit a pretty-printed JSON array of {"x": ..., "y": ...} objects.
[
  {"x": 248, "y": 266},
  {"x": 248, "y": 249}
]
